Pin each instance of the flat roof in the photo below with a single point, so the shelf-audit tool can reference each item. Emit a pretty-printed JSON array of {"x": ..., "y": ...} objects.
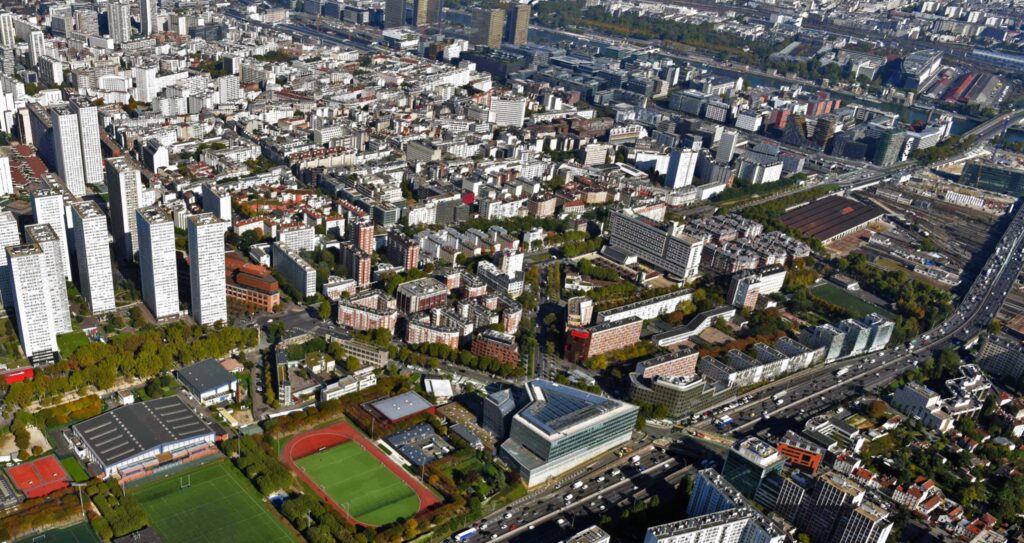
[
  {"x": 205, "y": 375},
  {"x": 827, "y": 217},
  {"x": 556, "y": 407},
  {"x": 399, "y": 407},
  {"x": 125, "y": 432}
]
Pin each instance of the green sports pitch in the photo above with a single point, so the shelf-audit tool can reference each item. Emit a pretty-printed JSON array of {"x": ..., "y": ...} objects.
[
  {"x": 79, "y": 533},
  {"x": 213, "y": 503},
  {"x": 357, "y": 481}
]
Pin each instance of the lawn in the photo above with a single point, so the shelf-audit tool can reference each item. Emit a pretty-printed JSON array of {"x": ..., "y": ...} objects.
[
  {"x": 71, "y": 342},
  {"x": 79, "y": 533},
  {"x": 843, "y": 298},
  {"x": 75, "y": 469},
  {"x": 356, "y": 481},
  {"x": 216, "y": 504}
]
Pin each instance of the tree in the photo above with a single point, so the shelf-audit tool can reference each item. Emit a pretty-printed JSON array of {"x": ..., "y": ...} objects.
[
  {"x": 325, "y": 310},
  {"x": 877, "y": 409},
  {"x": 351, "y": 363}
]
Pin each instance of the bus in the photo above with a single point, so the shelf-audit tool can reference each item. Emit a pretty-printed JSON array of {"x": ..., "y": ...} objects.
[
  {"x": 842, "y": 371},
  {"x": 779, "y": 395},
  {"x": 465, "y": 534}
]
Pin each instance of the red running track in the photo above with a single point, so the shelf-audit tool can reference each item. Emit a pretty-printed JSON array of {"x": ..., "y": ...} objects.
[{"x": 312, "y": 441}]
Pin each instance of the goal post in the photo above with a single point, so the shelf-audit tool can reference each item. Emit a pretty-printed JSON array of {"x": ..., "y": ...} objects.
[{"x": 185, "y": 481}]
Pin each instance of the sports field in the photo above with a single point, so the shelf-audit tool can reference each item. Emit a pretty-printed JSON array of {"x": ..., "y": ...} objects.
[
  {"x": 358, "y": 482},
  {"x": 843, "y": 298},
  {"x": 212, "y": 503},
  {"x": 79, "y": 533}
]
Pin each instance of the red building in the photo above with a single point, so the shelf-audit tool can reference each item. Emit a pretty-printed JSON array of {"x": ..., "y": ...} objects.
[
  {"x": 421, "y": 295},
  {"x": 584, "y": 343},
  {"x": 801, "y": 453},
  {"x": 496, "y": 345},
  {"x": 251, "y": 284},
  {"x": 17, "y": 375}
]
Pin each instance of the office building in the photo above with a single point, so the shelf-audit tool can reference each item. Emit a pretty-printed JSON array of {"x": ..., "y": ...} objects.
[
  {"x": 585, "y": 343},
  {"x": 206, "y": 268},
  {"x": 682, "y": 165},
  {"x": 157, "y": 261},
  {"x": 119, "y": 22},
  {"x": 95, "y": 275},
  {"x": 663, "y": 245},
  {"x": 801, "y": 452},
  {"x": 48, "y": 208},
  {"x": 746, "y": 288},
  {"x": 89, "y": 132},
  {"x": 67, "y": 146},
  {"x": 831, "y": 496},
  {"x": 561, "y": 428},
  {"x": 1002, "y": 356},
  {"x": 498, "y": 409},
  {"x": 124, "y": 187},
  {"x": 508, "y": 111},
  {"x": 394, "y": 13},
  {"x": 8, "y": 237},
  {"x": 488, "y": 26},
  {"x": 52, "y": 271},
  {"x": 149, "y": 22},
  {"x": 727, "y": 146},
  {"x": 889, "y": 147},
  {"x": 517, "y": 24},
  {"x": 866, "y": 523},
  {"x": 749, "y": 463},
  {"x": 426, "y": 12},
  {"x": 717, "y": 514},
  {"x": 32, "y": 303}
]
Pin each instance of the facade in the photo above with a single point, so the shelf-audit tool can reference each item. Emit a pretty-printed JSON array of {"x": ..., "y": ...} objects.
[
  {"x": 580, "y": 311},
  {"x": 584, "y": 343},
  {"x": 32, "y": 303},
  {"x": 682, "y": 166},
  {"x": 651, "y": 308},
  {"x": 124, "y": 185},
  {"x": 89, "y": 132},
  {"x": 217, "y": 201},
  {"x": 498, "y": 409},
  {"x": 664, "y": 246},
  {"x": 48, "y": 208},
  {"x": 368, "y": 310},
  {"x": 297, "y": 237},
  {"x": 157, "y": 261},
  {"x": 745, "y": 289},
  {"x": 749, "y": 463},
  {"x": 148, "y": 20},
  {"x": 488, "y": 26},
  {"x": 1002, "y": 356},
  {"x": 562, "y": 427},
  {"x": 403, "y": 251},
  {"x": 94, "y": 270},
  {"x": 681, "y": 396},
  {"x": 497, "y": 345},
  {"x": 119, "y": 22},
  {"x": 993, "y": 177},
  {"x": 424, "y": 331},
  {"x": 517, "y": 24},
  {"x": 52, "y": 273},
  {"x": 206, "y": 268},
  {"x": 251, "y": 285},
  {"x": 8, "y": 237},
  {"x": 67, "y": 144},
  {"x": 294, "y": 269}
]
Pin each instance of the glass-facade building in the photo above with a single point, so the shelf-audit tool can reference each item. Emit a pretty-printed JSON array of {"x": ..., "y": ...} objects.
[
  {"x": 994, "y": 178},
  {"x": 561, "y": 427}
]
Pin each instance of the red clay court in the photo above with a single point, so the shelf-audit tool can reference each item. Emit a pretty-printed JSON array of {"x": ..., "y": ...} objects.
[
  {"x": 352, "y": 474},
  {"x": 39, "y": 477}
]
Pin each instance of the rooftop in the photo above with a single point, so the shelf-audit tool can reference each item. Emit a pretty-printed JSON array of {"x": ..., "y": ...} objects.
[
  {"x": 399, "y": 407},
  {"x": 555, "y": 408},
  {"x": 205, "y": 375}
]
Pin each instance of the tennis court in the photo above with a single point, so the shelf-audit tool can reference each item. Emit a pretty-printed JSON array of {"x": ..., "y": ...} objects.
[
  {"x": 79, "y": 533},
  {"x": 213, "y": 503},
  {"x": 360, "y": 484}
]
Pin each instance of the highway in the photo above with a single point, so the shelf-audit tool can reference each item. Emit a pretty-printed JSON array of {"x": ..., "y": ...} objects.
[
  {"x": 604, "y": 482},
  {"x": 818, "y": 389}
]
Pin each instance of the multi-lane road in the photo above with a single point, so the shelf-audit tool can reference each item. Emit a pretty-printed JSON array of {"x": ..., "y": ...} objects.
[{"x": 819, "y": 389}]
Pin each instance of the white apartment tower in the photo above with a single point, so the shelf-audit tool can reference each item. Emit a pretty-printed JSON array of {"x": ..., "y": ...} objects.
[
  {"x": 36, "y": 46},
  {"x": 67, "y": 144},
  {"x": 48, "y": 208},
  {"x": 6, "y": 181},
  {"x": 32, "y": 303},
  {"x": 149, "y": 24},
  {"x": 89, "y": 130},
  {"x": 157, "y": 261},
  {"x": 52, "y": 271},
  {"x": 95, "y": 275},
  {"x": 508, "y": 111},
  {"x": 6, "y": 29},
  {"x": 206, "y": 268},
  {"x": 8, "y": 237},
  {"x": 682, "y": 165},
  {"x": 124, "y": 185},
  {"x": 119, "y": 19}
]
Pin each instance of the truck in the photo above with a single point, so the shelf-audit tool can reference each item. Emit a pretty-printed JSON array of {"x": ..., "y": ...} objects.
[
  {"x": 465, "y": 534},
  {"x": 635, "y": 459},
  {"x": 779, "y": 394},
  {"x": 577, "y": 484},
  {"x": 842, "y": 371}
]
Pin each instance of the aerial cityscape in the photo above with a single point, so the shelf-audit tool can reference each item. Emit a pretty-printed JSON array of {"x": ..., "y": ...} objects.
[{"x": 544, "y": 271}]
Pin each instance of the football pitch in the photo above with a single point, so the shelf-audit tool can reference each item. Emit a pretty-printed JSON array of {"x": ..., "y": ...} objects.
[
  {"x": 213, "y": 503},
  {"x": 79, "y": 533},
  {"x": 356, "y": 481}
]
